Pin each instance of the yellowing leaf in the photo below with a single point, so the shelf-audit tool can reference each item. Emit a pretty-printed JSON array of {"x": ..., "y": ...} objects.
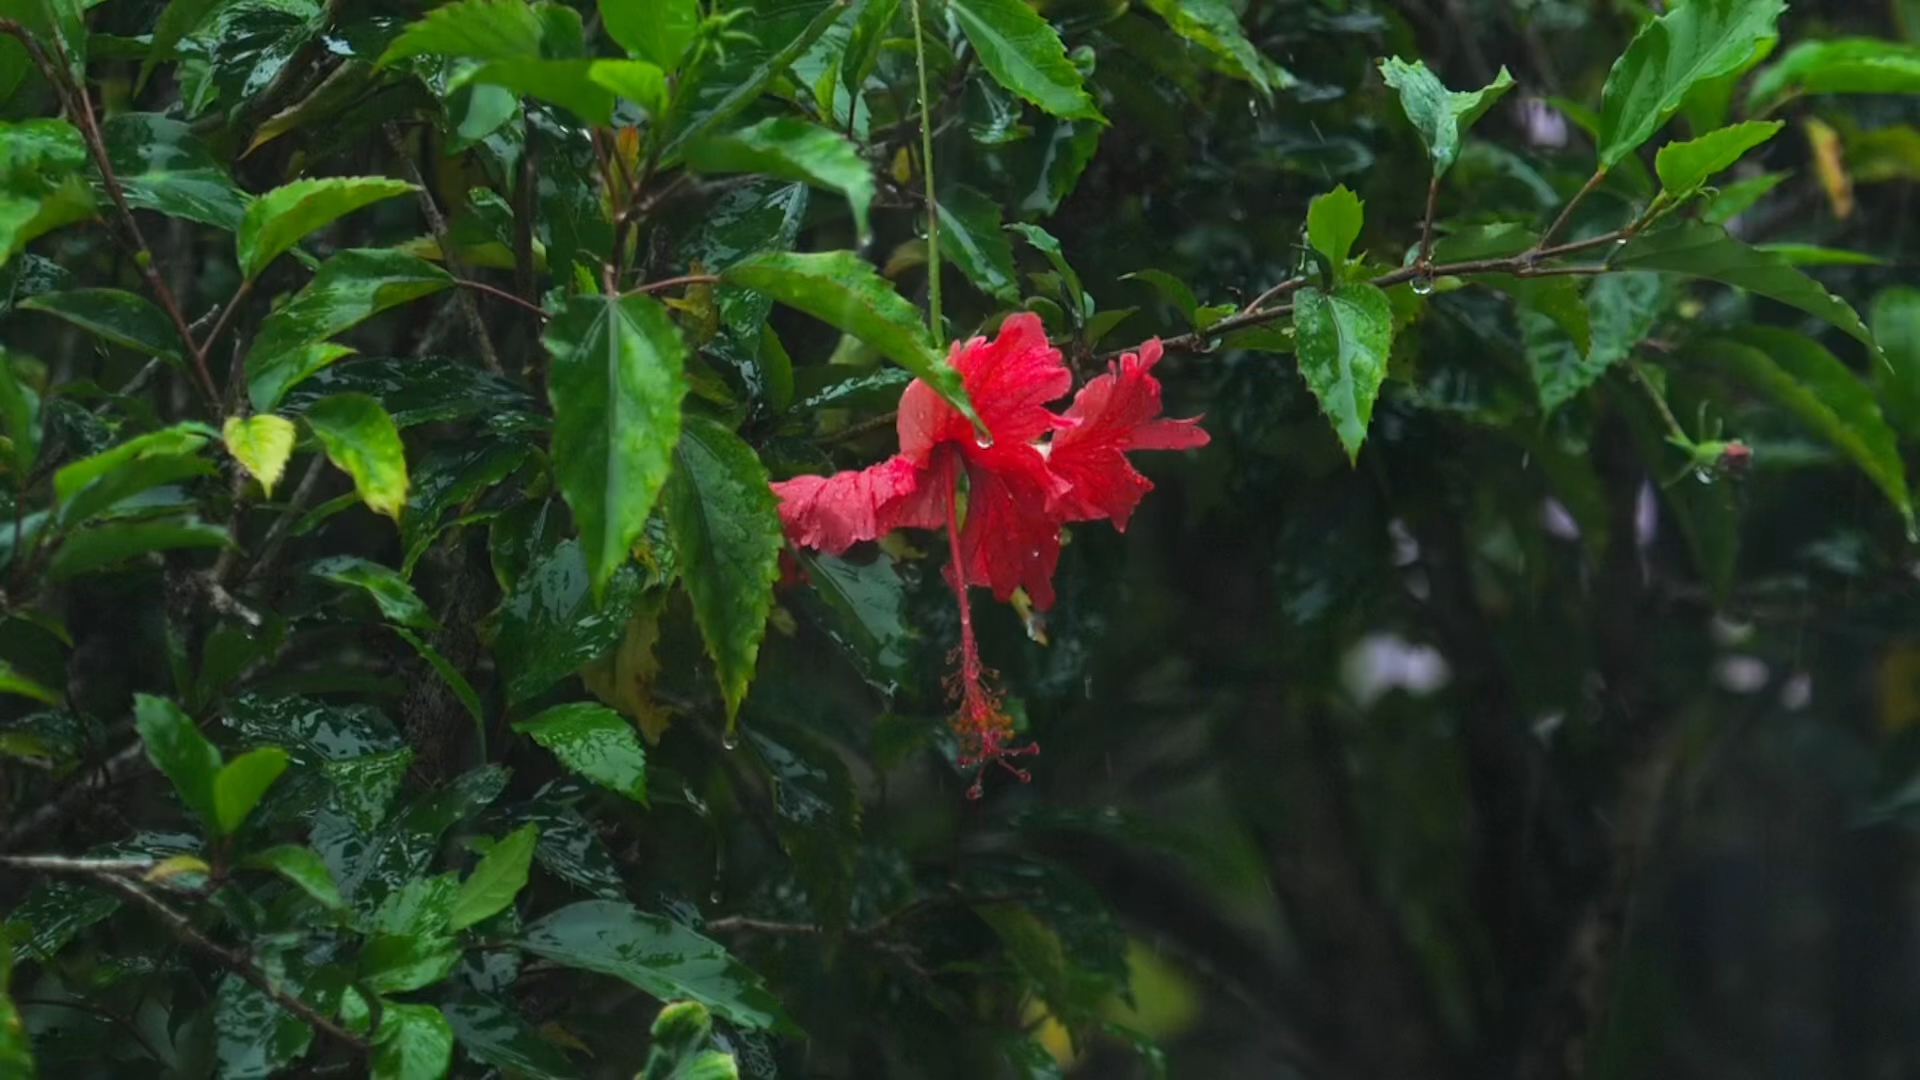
[
  {"x": 1830, "y": 166},
  {"x": 623, "y": 678},
  {"x": 262, "y": 444}
]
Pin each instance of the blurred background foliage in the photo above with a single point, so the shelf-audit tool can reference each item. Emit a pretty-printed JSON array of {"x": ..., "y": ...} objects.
[{"x": 1528, "y": 743}]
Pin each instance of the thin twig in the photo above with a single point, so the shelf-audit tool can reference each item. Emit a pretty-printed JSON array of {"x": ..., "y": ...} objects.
[
  {"x": 1273, "y": 294},
  {"x": 240, "y": 965},
  {"x": 1525, "y": 264},
  {"x": 1566, "y": 212},
  {"x": 77, "y": 101},
  {"x": 122, "y": 764},
  {"x": 437, "y": 224},
  {"x": 501, "y": 294},
  {"x": 668, "y": 283},
  {"x": 1425, "y": 259},
  {"x": 277, "y": 535}
]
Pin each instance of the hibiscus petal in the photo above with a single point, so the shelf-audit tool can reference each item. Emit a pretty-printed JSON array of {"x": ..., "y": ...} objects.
[
  {"x": 1011, "y": 539},
  {"x": 1010, "y": 380},
  {"x": 1112, "y": 414},
  {"x": 833, "y": 513}
]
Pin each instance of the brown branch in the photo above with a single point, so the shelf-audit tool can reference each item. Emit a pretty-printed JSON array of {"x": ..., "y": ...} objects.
[
  {"x": 77, "y": 102},
  {"x": 233, "y": 961},
  {"x": 112, "y": 771},
  {"x": 116, "y": 875},
  {"x": 1425, "y": 259},
  {"x": 668, "y": 283},
  {"x": 1566, "y": 212},
  {"x": 1525, "y": 264},
  {"x": 497, "y": 293},
  {"x": 437, "y": 224}
]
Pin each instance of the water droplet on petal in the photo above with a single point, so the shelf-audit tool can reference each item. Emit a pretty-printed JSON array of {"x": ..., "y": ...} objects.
[
  {"x": 983, "y": 440},
  {"x": 731, "y": 740},
  {"x": 1423, "y": 285}
]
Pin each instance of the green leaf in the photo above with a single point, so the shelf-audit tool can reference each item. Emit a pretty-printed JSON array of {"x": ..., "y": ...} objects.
[
  {"x": 256, "y": 1039},
  {"x": 658, "y": 956},
  {"x": 262, "y": 444},
  {"x": 493, "y": 1034},
  {"x": 167, "y": 442},
  {"x": 1172, "y": 290},
  {"x": 19, "y": 685},
  {"x": 725, "y": 524},
  {"x": 282, "y": 217},
  {"x": 462, "y": 689},
  {"x": 16, "y": 1050},
  {"x": 971, "y": 238},
  {"x": 240, "y": 784},
  {"x": 361, "y": 439},
  {"x": 1815, "y": 255},
  {"x": 20, "y": 415},
  {"x": 1812, "y": 383},
  {"x": 349, "y": 288},
  {"x": 115, "y": 542},
  {"x": 1333, "y": 224},
  {"x": 1024, "y": 54},
  {"x": 1685, "y": 167},
  {"x": 1895, "y": 317},
  {"x": 1620, "y": 311},
  {"x": 594, "y": 742},
  {"x": 279, "y": 372},
  {"x": 303, "y": 869},
  {"x": 388, "y": 590},
  {"x": 162, "y": 167},
  {"x": 413, "y": 1042},
  {"x": 180, "y": 19},
  {"x": 1690, "y": 44},
  {"x": 654, "y": 30},
  {"x": 1706, "y": 251},
  {"x": 550, "y": 623},
  {"x": 842, "y": 290},
  {"x": 695, "y": 118},
  {"x": 1738, "y": 197},
  {"x": 183, "y": 755},
  {"x": 1441, "y": 116},
  {"x": 1342, "y": 339},
  {"x": 117, "y": 316},
  {"x": 1214, "y": 26},
  {"x": 871, "y": 21},
  {"x": 636, "y": 80},
  {"x": 569, "y": 84},
  {"x": 791, "y": 149},
  {"x": 480, "y": 29},
  {"x": 494, "y": 883},
  {"x": 1837, "y": 66},
  {"x": 401, "y": 963},
  {"x": 865, "y": 606},
  {"x": 616, "y": 383}
]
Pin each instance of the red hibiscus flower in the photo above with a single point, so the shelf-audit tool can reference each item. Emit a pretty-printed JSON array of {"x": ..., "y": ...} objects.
[{"x": 1002, "y": 498}]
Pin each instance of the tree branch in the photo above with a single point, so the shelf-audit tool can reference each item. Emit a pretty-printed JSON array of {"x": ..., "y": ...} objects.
[
  {"x": 437, "y": 223},
  {"x": 77, "y": 102}
]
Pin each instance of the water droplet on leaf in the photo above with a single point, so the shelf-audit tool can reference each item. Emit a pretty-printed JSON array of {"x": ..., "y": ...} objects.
[
  {"x": 983, "y": 440},
  {"x": 731, "y": 740}
]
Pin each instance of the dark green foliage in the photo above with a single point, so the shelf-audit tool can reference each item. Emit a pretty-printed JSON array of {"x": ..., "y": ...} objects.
[{"x": 404, "y": 673}]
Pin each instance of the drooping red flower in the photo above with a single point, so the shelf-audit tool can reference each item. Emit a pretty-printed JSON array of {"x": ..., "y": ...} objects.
[{"x": 1002, "y": 497}]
